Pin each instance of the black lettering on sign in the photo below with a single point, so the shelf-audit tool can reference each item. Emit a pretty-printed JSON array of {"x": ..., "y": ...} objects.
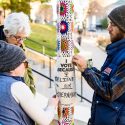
[
  {"x": 67, "y": 86},
  {"x": 66, "y": 94},
  {"x": 66, "y": 74},
  {"x": 66, "y": 60},
  {"x": 67, "y": 79},
  {"x": 66, "y": 65},
  {"x": 65, "y": 69}
]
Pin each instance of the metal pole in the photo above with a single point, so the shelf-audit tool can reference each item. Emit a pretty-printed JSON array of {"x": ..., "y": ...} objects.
[
  {"x": 81, "y": 87},
  {"x": 50, "y": 70},
  {"x": 43, "y": 49},
  {"x": 43, "y": 52},
  {"x": 43, "y": 61},
  {"x": 65, "y": 77}
]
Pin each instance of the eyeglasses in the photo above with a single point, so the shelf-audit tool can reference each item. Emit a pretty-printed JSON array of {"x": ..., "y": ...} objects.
[
  {"x": 18, "y": 38},
  {"x": 25, "y": 63}
]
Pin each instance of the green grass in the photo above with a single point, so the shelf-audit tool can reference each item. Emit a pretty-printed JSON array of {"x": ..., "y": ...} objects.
[{"x": 43, "y": 36}]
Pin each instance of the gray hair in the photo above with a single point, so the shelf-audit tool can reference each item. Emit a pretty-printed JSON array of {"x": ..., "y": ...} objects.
[{"x": 16, "y": 22}]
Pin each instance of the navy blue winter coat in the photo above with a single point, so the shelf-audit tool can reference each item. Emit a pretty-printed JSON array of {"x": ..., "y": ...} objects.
[{"x": 108, "y": 105}]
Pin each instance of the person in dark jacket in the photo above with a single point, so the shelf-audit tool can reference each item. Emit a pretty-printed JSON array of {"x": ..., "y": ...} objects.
[
  {"x": 18, "y": 105},
  {"x": 108, "y": 105},
  {"x": 15, "y": 30}
]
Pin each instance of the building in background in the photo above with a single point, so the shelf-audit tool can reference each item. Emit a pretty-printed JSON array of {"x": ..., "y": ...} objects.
[
  {"x": 34, "y": 10},
  {"x": 114, "y": 5},
  {"x": 41, "y": 13},
  {"x": 98, "y": 11},
  {"x": 95, "y": 14}
]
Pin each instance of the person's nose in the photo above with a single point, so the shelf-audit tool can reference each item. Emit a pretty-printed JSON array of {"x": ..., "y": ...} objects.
[{"x": 109, "y": 28}]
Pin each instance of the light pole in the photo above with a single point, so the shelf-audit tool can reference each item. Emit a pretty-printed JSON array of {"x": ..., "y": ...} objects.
[{"x": 65, "y": 75}]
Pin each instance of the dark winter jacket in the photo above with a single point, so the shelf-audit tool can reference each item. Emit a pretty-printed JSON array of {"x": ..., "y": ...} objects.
[
  {"x": 11, "y": 113},
  {"x": 108, "y": 105}
]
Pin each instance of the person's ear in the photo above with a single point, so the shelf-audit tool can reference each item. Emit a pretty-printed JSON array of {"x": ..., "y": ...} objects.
[{"x": 6, "y": 32}]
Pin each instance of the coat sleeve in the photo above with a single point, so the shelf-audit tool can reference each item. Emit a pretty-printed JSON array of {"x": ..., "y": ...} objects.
[
  {"x": 31, "y": 105},
  {"x": 109, "y": 89}
]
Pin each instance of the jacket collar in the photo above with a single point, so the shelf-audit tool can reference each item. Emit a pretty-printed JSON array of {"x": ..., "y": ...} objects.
[
  {"x": 113, "y": 48},
  {"x": 18, "y": 78}
]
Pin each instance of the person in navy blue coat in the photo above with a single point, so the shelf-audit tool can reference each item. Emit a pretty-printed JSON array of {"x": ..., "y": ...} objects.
[{"x": 108, "y": 104}]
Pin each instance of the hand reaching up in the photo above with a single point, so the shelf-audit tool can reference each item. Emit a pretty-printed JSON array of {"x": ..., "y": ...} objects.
[{"x": 80, "y": 62}]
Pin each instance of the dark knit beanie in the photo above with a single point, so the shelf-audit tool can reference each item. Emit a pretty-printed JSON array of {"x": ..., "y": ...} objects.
[
  {"x": 117, "y": 16},
  {"x": 11, "y": 56}
]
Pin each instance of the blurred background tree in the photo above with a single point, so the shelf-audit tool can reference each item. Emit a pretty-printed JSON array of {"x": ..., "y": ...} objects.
[
  {"x": 18, "y": 5},
  {"x": 104, "y": 23}
]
